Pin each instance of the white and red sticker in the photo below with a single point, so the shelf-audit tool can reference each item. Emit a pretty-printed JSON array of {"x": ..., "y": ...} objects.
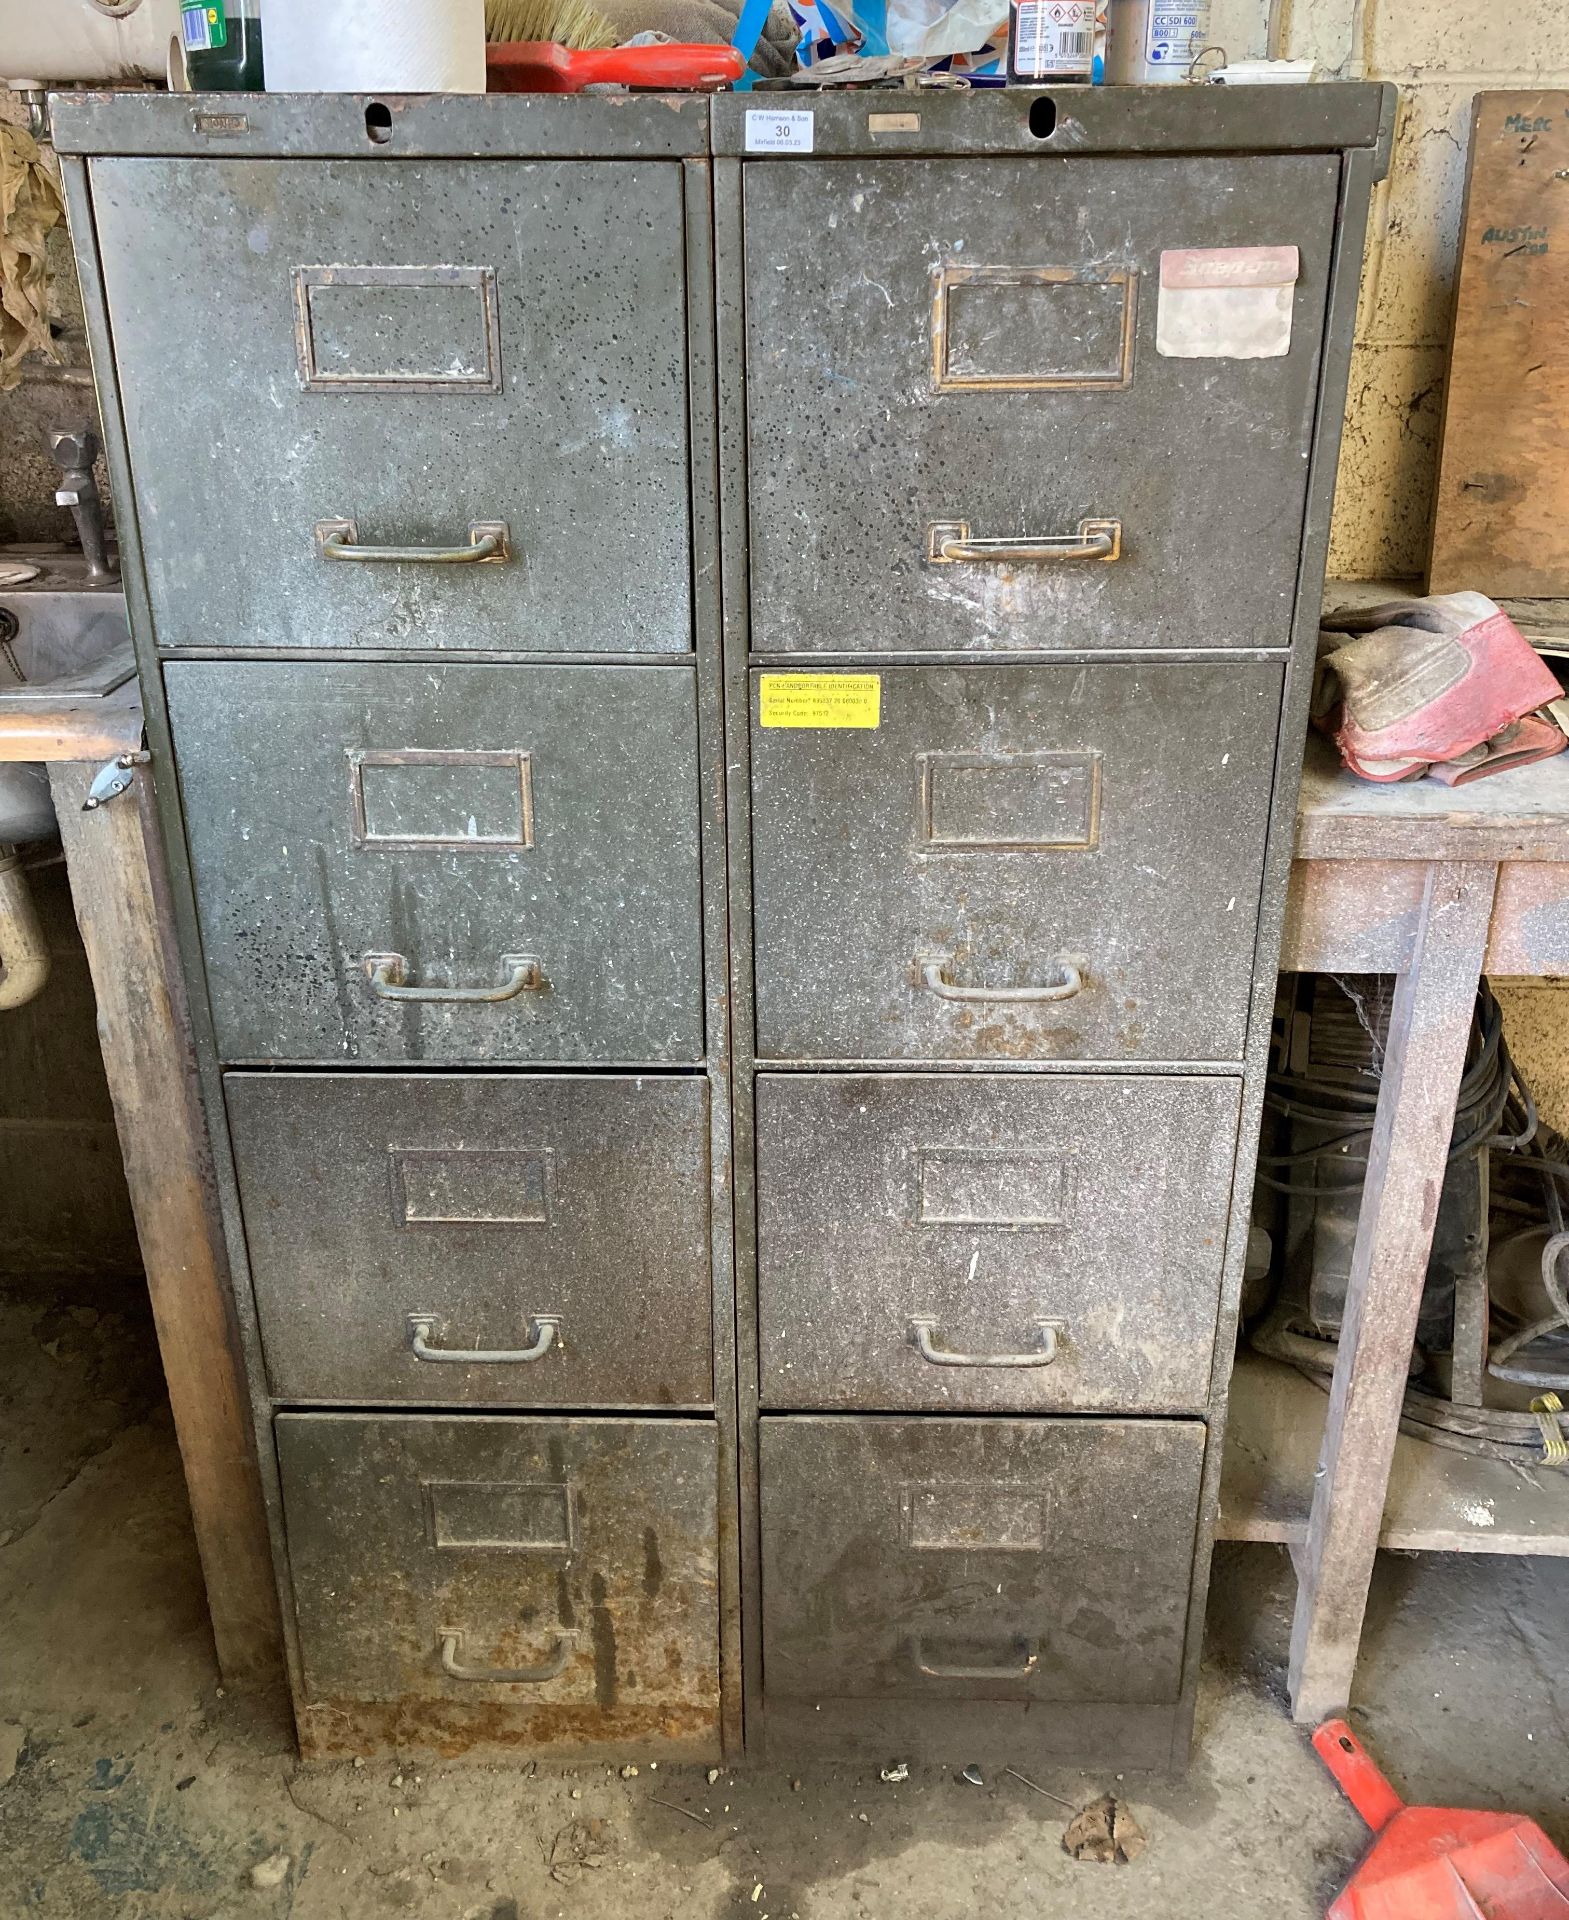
[{"x": 1226, "y": 303}]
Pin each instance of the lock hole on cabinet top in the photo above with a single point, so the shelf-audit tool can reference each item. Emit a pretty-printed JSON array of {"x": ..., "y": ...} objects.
[{"x": 1043, "y": 116}]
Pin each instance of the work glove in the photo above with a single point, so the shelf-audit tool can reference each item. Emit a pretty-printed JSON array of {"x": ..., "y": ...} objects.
[
  {"x": 1446, "y": 685},
  {"x": 710, "y": 23}
]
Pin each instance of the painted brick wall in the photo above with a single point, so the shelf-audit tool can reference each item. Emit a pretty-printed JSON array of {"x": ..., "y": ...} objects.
[{"x": 1440, "y": 53}]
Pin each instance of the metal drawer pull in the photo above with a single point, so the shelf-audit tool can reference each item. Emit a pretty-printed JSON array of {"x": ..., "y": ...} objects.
[
  {"x": 934, "y": 977},
  {"x": 389, "y": 974},
  {"x": 949, "y": 540},
  {"x": 339, "y": 540},
  {"x": 543, "y": 1329},
  {"x": 555, "y": 1663},
  {"x": 923, "y": 1326},
  {"x": 1025, "y": 1667}
]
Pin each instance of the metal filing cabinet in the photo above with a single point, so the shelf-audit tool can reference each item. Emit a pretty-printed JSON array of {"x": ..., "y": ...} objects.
[
  {"x": 412, "y": 429},
  {"x": 1029, "y": 414},
  {"x": 815, "y": 648}
]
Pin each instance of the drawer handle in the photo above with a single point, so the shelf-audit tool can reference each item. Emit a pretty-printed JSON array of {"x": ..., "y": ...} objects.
[
  {"x": 934, "y": 977},
  {"x": 389, "y": 974},
  {"x": 339, "y": 540},
  {"x": 949, "y": 540},
  {"x": 1021, "y": 1670},
  {"x": 554, "y": 1664},
  {"x": 924, "y": 1325},
  {"x": 543, "y": 1330}
]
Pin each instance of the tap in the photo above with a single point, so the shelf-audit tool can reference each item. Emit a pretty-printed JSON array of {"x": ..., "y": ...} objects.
[
  {"x": 35, "y": 95},
  {"x": 73, "y": 450}
]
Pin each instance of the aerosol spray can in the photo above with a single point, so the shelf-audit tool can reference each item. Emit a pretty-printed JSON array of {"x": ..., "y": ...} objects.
[
  {"x": 1154, "y": 41},
  {"x": 1056, "y": 40}
]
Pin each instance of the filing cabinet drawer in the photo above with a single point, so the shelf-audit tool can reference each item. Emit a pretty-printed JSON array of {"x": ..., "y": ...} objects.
[
  {"x": 1013, "y": 1560},
  {"x": 394, "y": 356},
  {"x": 478, "y": 1239},
  {"x": 1031, "y": 863},
  {"x": 452, "y": 862},
  {"x": 539, "y": 1583},
  {"x": 987, "y": 1242},
  {"x": 1107, "y": 365}
]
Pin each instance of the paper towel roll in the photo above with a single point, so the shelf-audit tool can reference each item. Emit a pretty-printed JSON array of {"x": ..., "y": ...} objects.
[{"x": 374, "y": 46}]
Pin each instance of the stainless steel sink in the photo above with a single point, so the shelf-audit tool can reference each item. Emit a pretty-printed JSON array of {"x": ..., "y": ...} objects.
[{"x": 61, "y": 641}]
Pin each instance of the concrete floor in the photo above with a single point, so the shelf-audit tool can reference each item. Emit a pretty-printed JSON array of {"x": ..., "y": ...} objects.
[{"x": 132, "y": 1786}]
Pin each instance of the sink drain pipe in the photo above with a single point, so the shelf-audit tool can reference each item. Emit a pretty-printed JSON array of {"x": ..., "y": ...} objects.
[{"x": 23, "y": 952}]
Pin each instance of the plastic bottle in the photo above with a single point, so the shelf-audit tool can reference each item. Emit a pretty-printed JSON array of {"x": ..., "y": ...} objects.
[
  {"x": 223, "y": 45},
  {"x": 1153, "y": 42}
]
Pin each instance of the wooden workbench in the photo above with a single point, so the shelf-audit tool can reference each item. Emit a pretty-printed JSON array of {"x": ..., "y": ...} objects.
[
  {"x": 116, "y": 874},
  {"x": 1435, "y": 885}
]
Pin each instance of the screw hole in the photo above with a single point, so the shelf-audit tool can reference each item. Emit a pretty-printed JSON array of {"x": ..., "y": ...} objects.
[
  {"x": 1043, "y": 117},
  {"x": 378, "y": 123},
  {"x": 1349, "y": 1745}
]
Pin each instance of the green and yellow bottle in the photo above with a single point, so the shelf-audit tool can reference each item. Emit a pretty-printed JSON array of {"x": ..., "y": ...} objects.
[{"x": 223, "y": 45}]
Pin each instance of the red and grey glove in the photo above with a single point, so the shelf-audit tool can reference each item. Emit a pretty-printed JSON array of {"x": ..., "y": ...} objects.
[{"x": 1446, "y": 684}]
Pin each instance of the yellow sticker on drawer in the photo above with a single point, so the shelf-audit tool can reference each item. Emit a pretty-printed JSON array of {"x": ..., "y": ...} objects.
[{"x": 820, "y": 699}]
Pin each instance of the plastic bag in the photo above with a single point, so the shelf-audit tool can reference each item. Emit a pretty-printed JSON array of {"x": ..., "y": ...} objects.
[{"x": 930, "y": 28}]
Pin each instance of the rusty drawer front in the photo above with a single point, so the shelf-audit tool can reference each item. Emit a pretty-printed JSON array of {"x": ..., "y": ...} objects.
[
  {"x": 478, "y": 1213},
  {"x": 985, "y": 337},
  {"x": 1014, "y": 828},
  {"x": 403, "y": 347},
  {"x": 527, "y": 829},
  {"x": 578, "y": 1556},
  {"x": 1015, "y": 1560},
  {"x": 1075, "y": 1225}
]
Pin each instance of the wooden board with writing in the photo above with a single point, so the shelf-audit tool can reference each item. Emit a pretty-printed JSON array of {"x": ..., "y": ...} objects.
[{"x": 1501, "y": 517}]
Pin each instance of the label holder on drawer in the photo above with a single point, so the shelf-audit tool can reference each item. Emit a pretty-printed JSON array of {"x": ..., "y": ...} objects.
[
  {"x": 462, "y": 1516},
  {"x": 483, "y": 375},
  {"x": 1108, "y": 297}
]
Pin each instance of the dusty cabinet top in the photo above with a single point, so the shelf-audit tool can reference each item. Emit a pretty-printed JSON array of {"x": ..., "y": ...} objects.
[
  {"x": 1061, "y": 120},
  {"x": 1082, "y": 120},
  {"x": 364, "y": 126}
]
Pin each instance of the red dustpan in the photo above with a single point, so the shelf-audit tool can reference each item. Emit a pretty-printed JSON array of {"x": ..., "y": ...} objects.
[{"x": 1440, "y": 1863}]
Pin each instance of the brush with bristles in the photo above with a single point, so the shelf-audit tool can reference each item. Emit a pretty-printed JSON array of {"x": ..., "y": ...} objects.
[{"x": 568, "y": 23}]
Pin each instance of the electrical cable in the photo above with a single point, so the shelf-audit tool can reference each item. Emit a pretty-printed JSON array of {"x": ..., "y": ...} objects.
[
  {"x": 1497, "y": 1114},
  {"x": 1487, "y": 1088}
]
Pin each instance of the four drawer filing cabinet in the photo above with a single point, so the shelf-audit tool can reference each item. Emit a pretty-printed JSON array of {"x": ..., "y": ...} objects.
[{"x": 726, "y": 698}]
